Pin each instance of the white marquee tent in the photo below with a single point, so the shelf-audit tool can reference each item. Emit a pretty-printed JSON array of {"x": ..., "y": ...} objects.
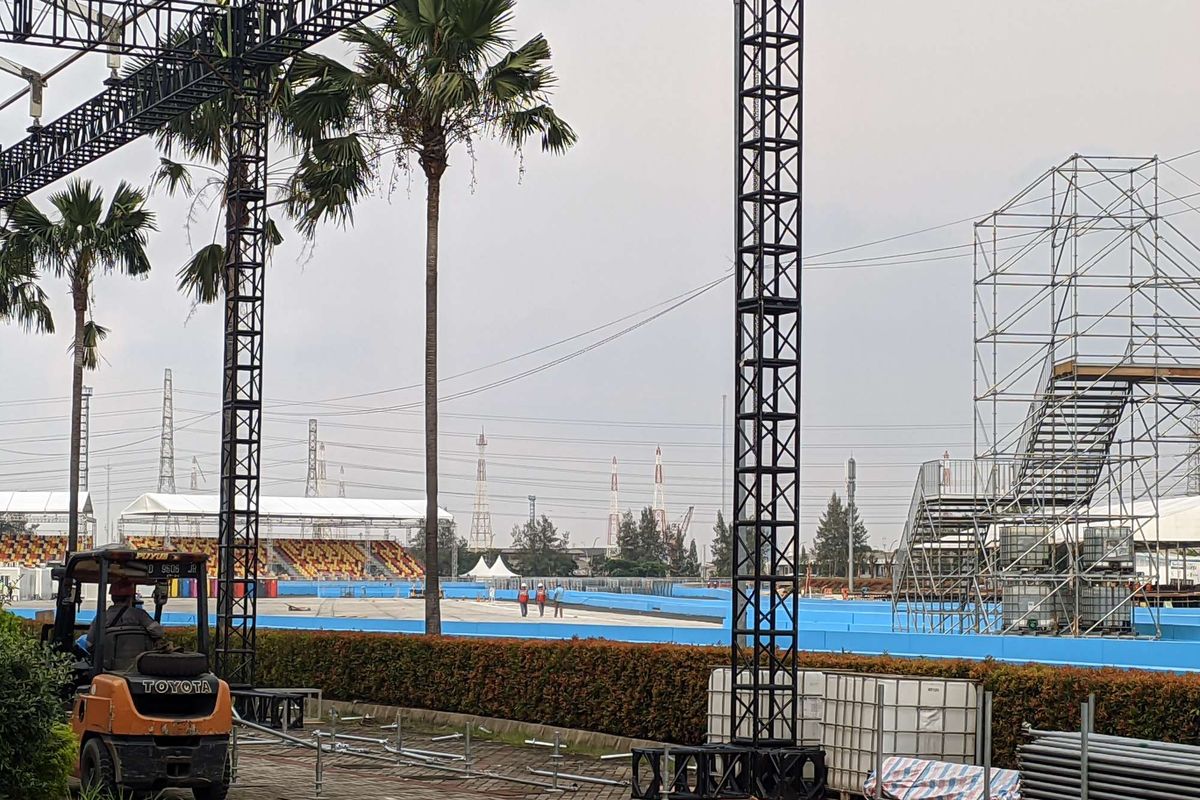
[
  {"x": 283, "y": 517},
  {"x": 481, "y": 571}
]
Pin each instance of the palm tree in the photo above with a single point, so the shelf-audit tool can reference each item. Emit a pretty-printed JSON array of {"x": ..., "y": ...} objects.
[
  {"x": 80, "y": 243},
  {"x": 321, "y": 173},
  {"x": 433, "y": 75}
]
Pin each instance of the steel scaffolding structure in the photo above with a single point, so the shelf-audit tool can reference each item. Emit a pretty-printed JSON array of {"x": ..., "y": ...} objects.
[{"x": 1086, "y": 384}]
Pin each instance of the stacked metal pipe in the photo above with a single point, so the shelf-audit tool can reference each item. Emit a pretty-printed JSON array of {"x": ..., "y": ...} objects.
[{"x": 1053, "y": 766}]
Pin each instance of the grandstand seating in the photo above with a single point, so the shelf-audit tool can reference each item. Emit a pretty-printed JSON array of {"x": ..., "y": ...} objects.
[
  {"x": 31, "y": 550},
  {"x": 397, "y": 559},
  {"x": 309, "y": 559}
]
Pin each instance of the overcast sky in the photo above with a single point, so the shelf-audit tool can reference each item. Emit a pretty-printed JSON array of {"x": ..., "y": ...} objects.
[{"x": 917, "y": 114}]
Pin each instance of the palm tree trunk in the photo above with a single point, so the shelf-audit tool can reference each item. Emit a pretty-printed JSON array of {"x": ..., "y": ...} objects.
[
  {"x": 433, "y": 609},
  {"x": 79, "y": 297}
]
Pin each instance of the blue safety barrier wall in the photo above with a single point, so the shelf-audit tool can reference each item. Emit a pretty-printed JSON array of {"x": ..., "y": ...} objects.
[{"x": 373, "y": 589}]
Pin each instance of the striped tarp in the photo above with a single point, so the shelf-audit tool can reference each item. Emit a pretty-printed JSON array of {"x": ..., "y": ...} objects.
[{"x": 920, "y": 779}]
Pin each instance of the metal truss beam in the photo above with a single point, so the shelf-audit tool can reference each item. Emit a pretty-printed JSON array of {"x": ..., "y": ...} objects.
[
  {"x": 155, "y": 29},
  {"x": 159, "y": 91},
  {"x": 766, "y": 513},
  {"x": 241, "y": 396}
]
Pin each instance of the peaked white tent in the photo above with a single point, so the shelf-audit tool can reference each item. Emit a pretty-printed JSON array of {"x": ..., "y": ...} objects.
[
  {"x": 480, "y": 570},
  {"x": 501, "y": 570}
]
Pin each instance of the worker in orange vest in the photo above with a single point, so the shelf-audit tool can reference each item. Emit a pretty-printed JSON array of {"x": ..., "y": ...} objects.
[
  {"x": 523, "y": 599},
  {"x": 541, "y": 599}
]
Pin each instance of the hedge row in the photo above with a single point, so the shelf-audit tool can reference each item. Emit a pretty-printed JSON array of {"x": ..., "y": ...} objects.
[{"x": 659, "y": 692}]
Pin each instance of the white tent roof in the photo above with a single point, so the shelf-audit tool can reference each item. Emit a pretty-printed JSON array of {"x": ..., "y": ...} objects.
[
  {"x": 44, "y": 503},
  {"x": 498, "y": 570},
  {"x": 480, "y": 570},
  {"x": 206, "y": 505},
  {"x": 501, "y": 570}
]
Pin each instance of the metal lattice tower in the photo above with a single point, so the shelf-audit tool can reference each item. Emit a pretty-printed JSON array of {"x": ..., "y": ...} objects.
[
  {"x": 241, "y": 424},
  {"x": 532, "y": 508},
  {"x": 481, "y": 515},
  {"x": 660, "y": 496},
  {"x": 310, "y": 481},
  {"x": 766, "y": 493},
  {"x": 85, "y": 429},
  {"x": 614, "y": 513},
  {"x": 341, "y": 481},
  {"x": 166, "y": 444}
]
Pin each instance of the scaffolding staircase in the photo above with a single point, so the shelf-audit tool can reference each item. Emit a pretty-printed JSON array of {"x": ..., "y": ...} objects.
[
  {"x": 1062, "y": 458},
  {"x": 1067, "y": 437}
]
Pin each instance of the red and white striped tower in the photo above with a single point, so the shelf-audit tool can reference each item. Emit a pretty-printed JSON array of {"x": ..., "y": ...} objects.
[
  {"x": 660, "y": 500},
  {"x": 614, "y": 512}
]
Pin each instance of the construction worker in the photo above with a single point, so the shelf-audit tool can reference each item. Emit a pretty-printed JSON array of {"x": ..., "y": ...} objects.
[
  {"x": 556, "y": 594},
  {"x": 523, "y": 599},
  {"x": 541, "y": 599}
]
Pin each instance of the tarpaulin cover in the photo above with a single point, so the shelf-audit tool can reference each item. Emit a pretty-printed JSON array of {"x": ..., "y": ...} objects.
[{"x": 920, "y": 779}]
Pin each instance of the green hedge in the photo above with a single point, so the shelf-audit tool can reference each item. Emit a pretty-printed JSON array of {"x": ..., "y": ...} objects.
[{"x": 659, "y": 691}]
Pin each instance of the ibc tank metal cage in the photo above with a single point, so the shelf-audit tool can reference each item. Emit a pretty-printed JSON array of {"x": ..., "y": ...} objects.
[{"x": 1086, "y": 389}]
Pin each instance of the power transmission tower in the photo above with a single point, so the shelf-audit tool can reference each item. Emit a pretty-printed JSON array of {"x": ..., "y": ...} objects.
[
  {"x": 197, "y": 474},
  {"x": 166, "y": 444},
  {"x": 532, "y": 508},
  {"x": 614, "y": 513},
  {"x": 310, "y": 482},
  {"x": 851, "y": 481},
  {"x": 660, "y": 496},
  {"x": 341, "y": 481},
  {"x": 481, "y": 517}
]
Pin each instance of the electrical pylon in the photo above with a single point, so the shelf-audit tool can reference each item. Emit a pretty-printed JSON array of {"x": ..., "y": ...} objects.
[
  {"x": 614, "y": 513},
  {"x": 660, "y": 501},
  {"x": 481, "y": 517},
  {"x": 311, "y": 483},
  {"x": 166, "y": 443}
]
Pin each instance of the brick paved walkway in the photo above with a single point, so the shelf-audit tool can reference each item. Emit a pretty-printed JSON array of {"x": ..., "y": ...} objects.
[{"x": 268, "y": 772}]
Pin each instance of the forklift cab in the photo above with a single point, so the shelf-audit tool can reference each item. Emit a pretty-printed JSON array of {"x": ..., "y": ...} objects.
[
  {"x": 145, "y": 719},
  {"x": 118, "y": 648}
]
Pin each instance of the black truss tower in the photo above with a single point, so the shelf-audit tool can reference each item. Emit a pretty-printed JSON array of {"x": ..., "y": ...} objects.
[
  {"x": 241, "y": 392},
  {"x": 766, "y": 494}
]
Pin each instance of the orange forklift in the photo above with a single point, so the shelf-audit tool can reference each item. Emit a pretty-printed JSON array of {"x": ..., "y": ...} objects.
[{"x": 147, "y": 717}]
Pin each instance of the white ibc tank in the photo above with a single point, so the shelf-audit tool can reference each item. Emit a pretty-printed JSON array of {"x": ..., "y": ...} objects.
[
  {"x": 1031, "y": 606},
  {"x": 932, "y": 718},
  {"x": 811, "y": 688}
]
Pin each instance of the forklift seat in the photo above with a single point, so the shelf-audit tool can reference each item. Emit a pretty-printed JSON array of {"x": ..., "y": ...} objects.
[{"x": 122, "y": 646}]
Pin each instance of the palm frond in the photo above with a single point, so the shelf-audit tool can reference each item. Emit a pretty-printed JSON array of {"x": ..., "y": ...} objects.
[
  {"x": 93, "y": 335},
  {"x": 274, "y": 237},
  {"x": 521, "y": 72},
  {"x": 203, "y": 276},
  {"x": 516, "y": 127},
  {"x": 172, "y": 175},
  {"x": 22, "y": 299}
]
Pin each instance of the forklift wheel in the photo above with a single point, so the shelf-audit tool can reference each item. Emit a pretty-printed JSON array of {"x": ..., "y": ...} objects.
[
  {"x": 96, "y": 770},
  {"x": 215, "y": 791}
]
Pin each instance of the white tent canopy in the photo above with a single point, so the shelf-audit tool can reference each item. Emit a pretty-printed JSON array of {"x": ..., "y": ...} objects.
[
  {"x": 501, "y": 570},
  {"x": 401, "y": 513},
  {"x": 481, "y": 571},
  {"x": 42, "y": 503}
]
